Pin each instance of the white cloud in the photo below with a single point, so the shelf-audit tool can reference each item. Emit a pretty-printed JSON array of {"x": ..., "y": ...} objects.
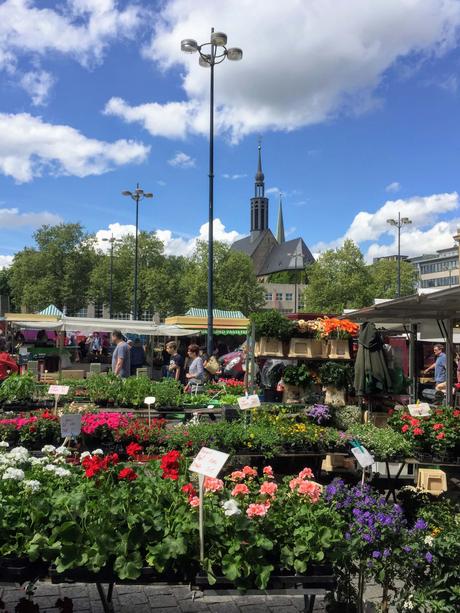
[
  {"x": 37, "y": 84},
  {"x": 29, "y": 147},
  {"x": 338, "y": 54},
  {"x": 173, "y": 243},
  {"x": 393, "y": 187},
  {"x": 6, "y": 261},
  {"x": 79, "y": 28},
  {"x": 234, "y": 177},
  {"x": 182, "y": 160},
  {"x": 272, "y": 190},
  {"x": 425, "y": 234},
  {"x": 12, "y": 218}
]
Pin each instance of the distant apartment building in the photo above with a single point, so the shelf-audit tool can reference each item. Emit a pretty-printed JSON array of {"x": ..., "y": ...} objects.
[
  {"x": 281, "y": 297},
  {"x": 439, "y": 269}
]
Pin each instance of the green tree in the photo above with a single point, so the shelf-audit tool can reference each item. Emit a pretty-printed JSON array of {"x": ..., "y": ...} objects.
[
  {"x": 5, "y": 286},
  {"x": 384, "y": 275},
  {"x": 235, "y": 283},
  {"x": 57, "y": 270},
  {"x": 339, "y": 279}
]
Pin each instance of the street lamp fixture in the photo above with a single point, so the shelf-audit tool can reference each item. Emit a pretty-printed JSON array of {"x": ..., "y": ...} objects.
[
  {"x": 210, "y": 54},
  {"x": 399, "y": 223},
  {"x": 137, "y": 195},
  {"x": 111, "y": 240}
]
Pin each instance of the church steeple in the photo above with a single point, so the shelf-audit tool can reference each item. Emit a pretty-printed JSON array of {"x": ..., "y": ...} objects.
[
  {"x": 280, "y": 225},
  {"x": 259, "y": 204}
]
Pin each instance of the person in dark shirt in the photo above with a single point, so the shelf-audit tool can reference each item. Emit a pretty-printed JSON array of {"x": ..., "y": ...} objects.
[
  {"x": 137, "y": 355},
  {"x": 176, "y": 362}
]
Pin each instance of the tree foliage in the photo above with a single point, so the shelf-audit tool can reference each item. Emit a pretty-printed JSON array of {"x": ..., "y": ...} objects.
[
  {"x": 384, "y": 278},
  {"x": 338, "y": 280}
]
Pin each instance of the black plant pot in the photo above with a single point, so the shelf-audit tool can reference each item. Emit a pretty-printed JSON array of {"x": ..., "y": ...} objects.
[
  {"x": 107, "y": 575},
  {"x": 20, "y": 570}
]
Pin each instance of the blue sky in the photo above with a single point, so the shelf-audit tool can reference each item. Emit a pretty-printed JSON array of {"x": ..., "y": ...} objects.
[{"x": 357, "y": 104}]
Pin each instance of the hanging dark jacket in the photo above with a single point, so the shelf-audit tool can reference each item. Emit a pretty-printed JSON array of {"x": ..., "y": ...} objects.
[{"x": 371, "y": 370}]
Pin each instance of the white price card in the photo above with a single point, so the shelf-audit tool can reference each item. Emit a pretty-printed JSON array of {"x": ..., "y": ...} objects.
[
  {"x": 58, "y": 390},
  {"x": 419, "y": 410},
  {"x": 364, "y": 458},
  {"x": 70, "y": 424},
  {"x": 208, "y": 462},
  {"x": 150, "y": 400},
  {"x": 249, "y": 402}
]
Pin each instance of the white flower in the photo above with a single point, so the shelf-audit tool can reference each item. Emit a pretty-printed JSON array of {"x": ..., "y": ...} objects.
[
  {"x": 63, "y": 451},
  {"x": 13, "y": 473},
  {"x": 50, "y": 467},
  {"x": 98, "y": 452},
  {"x": 231, "y": 508},
  {"x": 62, "y": 472},
  {"x": 32, "y": 484},
  {"x": 4, "y": 444},
  {"x": 19, "y": 453},
  {"x": 428, "y": 540},
  {"x": 85, "y": 454},
  {"x": 38, "y": 461},
  {"x": 408, "y": 604},
  {"x": 49, "y": 449}
]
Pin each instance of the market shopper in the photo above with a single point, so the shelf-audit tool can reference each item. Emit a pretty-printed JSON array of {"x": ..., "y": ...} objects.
[
  {"x": 7, "y": 365},
  {"x": 137, "y": 355},
  {"x": 195, "y": 375},
  {"x": 121, "y": 358},
  {"x": 175, "y": 367},
  {"x": 439, "y": 367}
]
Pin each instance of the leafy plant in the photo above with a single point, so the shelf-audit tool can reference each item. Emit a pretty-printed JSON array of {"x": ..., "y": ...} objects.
[
  {"x": 383, "y": 443},
  {"x": 168, "y": 393},
  {"x": 104, "y": 388},
  {"x": 19, "y": 387},
  {"x": 346, "y": 417},
  {"x": 272, "y": 324},
  {"x": 336, "y": 374},
  {"x": 297, "y": 375}
]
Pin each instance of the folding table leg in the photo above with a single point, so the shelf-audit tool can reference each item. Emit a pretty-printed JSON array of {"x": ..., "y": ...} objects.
[
  {"x": 309, "y": 602},
  {"x": 106, "y": 601}
]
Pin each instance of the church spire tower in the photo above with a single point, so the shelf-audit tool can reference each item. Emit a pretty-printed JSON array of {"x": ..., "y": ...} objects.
[
  {"x": 280, "y": 237},
  {"x": 259, "y": 204}
]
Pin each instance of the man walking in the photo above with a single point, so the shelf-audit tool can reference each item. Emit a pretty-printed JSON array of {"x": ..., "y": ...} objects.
[
  {"x": 121, "y": 359},
  {"x": 440, "y": 371}
]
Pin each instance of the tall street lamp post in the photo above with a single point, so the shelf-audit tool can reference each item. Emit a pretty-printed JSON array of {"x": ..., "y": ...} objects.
[
  {"x": 211, "y": 54},
  {"x": 137, "y": 195},
  {"x": 111, "y": 240},
  {"x": 399, "y": 223}
]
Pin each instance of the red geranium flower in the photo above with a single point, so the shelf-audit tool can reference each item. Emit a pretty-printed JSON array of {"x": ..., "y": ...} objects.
[
  {"x": 189, "y": 490},
  {"x": 417, "y": 431},
  {"x": 133, "y": 449},
  {"x": 438, "y": 426},
  {"x": 405, "y": 428},
  {"x": 441, "y": 435},
  {"x": 127, "y": 474},
  {"x": 170, "y": 465},
  {"x": 456, "y": 413}
]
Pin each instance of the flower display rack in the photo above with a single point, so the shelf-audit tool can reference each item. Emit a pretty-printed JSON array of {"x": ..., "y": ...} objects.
[{"x": 320, "y": 580}]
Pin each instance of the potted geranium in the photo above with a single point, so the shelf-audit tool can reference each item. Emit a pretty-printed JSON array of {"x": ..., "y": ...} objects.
[{"x": 296, "y": 379}]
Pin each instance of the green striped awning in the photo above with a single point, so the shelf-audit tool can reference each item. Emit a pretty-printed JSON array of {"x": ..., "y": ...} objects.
[
  {"x": 216, "y": 313},
  {"x": 52, "y": 310}
]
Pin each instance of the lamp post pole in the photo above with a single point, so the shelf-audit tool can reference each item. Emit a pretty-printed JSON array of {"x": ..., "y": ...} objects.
[
  {"x": 137, "y": 195},
  {"x": 399, "y": 223},
  {"x": 211, "y": 54}
]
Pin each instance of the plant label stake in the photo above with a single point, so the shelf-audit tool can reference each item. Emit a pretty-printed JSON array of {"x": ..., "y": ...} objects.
[
  {"x": 363, "y": 457},
  {"x": 56, "y": 391},
  {"x": 70, "y": 426},
  {"x": 422, "y": 409},
  {"x": 149, "y": 401},
  {"x": 208, "y": 463},
  {"x": 249, "y": 402}
]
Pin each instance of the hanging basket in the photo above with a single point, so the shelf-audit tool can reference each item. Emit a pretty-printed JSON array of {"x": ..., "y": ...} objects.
[{"x": 339, "y": 349}]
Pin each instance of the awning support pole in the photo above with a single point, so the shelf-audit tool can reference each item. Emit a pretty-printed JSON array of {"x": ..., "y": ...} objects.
[
  {"x": 413, "y": 363},
  {"x": 448, "y": 324}
]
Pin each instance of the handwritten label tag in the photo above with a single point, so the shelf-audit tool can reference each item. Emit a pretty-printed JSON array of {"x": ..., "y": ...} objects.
[
  {"x": 419, "y": 410},
  {"x": 70, "y": 424},
  {"x": 58, "y": 390},
  {"x": 208, "y": 462},
  {"x": 150, "y": 400},
  {"x": 249, "y": 402},
  {"x": 364, "y": 458}
]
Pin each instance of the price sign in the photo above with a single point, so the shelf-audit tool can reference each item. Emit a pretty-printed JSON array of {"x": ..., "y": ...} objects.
[
  {"x": 419, "y": 410},
  {"x": 208, "y": 462},
  {"x": 364, "y": 458},
  {"x": 249, "y": 402},
  {"x": 58, "y": 390},
  {"x": 70, "y": 425}
]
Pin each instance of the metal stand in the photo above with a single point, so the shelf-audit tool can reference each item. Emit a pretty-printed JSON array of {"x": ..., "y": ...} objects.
[
  {"x": 309, "y": 602},
  {"x": 106, "y": 599}
]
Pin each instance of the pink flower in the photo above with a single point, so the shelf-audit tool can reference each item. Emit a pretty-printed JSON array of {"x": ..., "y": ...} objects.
[
  {"x": 268, "y": 488},
  {"x": 268, "y": 472},
  {"x": 256, "y": 510},
  {"x": 237, "y": 475},
  {"x": 249, "y": 472},
  {"x": 306, "y": 473},
  {"x": 310, "y": 489},
  {"x": 213, "y": 485},
  {"x": 240, "y": 490},
  {"x": 294, "y": 483},
  {"x": 194, "y": 502}
]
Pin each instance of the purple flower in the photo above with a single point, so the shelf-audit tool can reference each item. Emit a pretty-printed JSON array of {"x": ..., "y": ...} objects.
[
  {"x": 386, "y": 553},
  {"x": 428, "y": 557},
  {"x": 420, "y": 524},
  {"x": 376, "y": 554},
  {"x": 407, "y": 548},
  {"x": 347, "y": 536},
  {"x": 319, "y": 413}
]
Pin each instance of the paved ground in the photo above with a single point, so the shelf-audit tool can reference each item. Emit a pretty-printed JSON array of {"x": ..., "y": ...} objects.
[{"x": 155, "y": 599}]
